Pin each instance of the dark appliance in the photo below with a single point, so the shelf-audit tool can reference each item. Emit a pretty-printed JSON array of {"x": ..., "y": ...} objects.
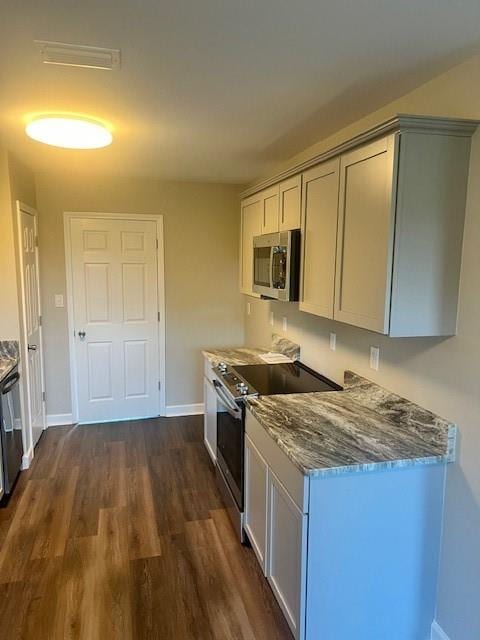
[
  {"x": 233, "y": 386},
  {"x": 10, "y": 430}
]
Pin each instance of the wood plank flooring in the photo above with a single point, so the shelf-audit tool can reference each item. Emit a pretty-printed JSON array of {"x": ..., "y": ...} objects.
[{"x": 118, "y": 532}]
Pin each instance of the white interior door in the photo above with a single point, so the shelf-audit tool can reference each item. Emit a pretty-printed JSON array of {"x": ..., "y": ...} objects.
[
  {"x": 116, "y": 318},
  {"x": 32, "y": 361}
]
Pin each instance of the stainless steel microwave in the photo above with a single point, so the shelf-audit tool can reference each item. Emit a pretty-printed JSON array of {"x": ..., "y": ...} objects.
[{"x": 276, "y": 265}]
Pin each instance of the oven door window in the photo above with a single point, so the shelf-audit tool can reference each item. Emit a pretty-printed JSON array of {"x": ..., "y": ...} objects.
[
  {"x": 279, "y": 267},
  {"x": 261, "y": 261},
  {"x": 230, "y": 449}
]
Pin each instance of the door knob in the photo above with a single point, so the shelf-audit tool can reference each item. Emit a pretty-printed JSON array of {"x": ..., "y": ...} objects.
[
  {"x": 32, "y": 347},
  {"x": 81, "y": 335}
]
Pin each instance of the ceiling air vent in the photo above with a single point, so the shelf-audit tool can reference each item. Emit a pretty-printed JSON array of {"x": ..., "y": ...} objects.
[{"x": 78, "y": 55}]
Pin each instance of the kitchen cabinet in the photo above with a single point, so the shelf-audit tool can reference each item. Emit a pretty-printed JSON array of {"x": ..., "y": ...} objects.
[
  {"x": 286, "y": 563},
  {"x": 365, "y": 235},
  {"x": 256, "y": 501},
  {"x": 210, "y": 418},
  {"x": 270, "y": 209},
  {"x": 251, "y": 225},
  {"x": 400, "y": 230},
  {"x": 382, "y": 225},
  {"x": 346, "y": 552},
  {"x": 276, "y": 503},
  {"x": 290, "y": 201},
  {"x": 319, "y": 238}
]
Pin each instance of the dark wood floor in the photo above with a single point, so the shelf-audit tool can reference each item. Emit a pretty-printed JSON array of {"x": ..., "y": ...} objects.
[{"x": 118, "y": 532}]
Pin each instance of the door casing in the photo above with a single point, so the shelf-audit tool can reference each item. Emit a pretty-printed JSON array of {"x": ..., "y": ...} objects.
[
  {"x": 25, "y": 398},
  {"x": 158, "y": 219}
]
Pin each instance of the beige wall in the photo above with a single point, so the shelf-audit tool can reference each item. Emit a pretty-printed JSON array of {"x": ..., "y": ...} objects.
[
  {"x": 203, "y": 306},
  {"x": 440, "y": 374},
  {"x": 16, "y": 183},
  {"x": 9, "y": 327}
]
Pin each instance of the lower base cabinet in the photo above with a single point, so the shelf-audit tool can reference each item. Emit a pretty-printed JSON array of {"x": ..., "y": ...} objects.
[
  {"x": 347, "y": 555},
  {"x": 287, "y": 538},
  {"x": 256, "y": 501},
  {"x": 210, "y": 418}
]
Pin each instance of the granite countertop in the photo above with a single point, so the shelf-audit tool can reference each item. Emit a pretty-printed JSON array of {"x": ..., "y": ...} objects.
[
  {"x": 362, "y": 428},
  {"x": 9, "y": 354},
  {"x": 235, "y": 355},
  {"x": 251, "y": 355}
]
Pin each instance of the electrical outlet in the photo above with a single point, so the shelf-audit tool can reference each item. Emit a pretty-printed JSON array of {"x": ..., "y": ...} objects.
[
  {"x": 249, "y": 308},
  {"x": 59, "y": 300},
  {"x": 284, "y": 323},
  {"x": 374, "y": 358},
  {"x": 272, "y": 319},
  {"x": 333, "y": 341}
]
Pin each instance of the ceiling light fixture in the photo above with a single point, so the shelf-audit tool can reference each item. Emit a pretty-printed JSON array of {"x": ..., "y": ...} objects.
[{"x": 69, "y": 131}]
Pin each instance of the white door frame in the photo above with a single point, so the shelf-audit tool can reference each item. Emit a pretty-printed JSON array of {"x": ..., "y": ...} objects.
[
  {"x": 68, "y": 216},
  {"x": 25, "y": 398}
]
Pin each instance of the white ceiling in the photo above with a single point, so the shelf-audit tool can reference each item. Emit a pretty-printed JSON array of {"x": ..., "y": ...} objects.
[{"x": 220, "y": 90}]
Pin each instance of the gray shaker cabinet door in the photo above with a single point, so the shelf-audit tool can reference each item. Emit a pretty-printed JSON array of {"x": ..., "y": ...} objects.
[{"x": 366, "y": 225}]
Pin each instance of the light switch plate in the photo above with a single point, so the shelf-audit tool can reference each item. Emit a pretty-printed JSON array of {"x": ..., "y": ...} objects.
[
  {"x": 374, "y": 358},
  {"x": 59, "y": 300},
  {"x": 333, "y": 341}
]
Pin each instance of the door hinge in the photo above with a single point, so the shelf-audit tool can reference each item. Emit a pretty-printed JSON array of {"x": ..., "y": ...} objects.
[
  {"x": 40, "y": 320},
  {"x": 158, "y": 316},
  {"x": 159, "y": 385},
  {"x": 44, "y": 396},
  {"x": 156, "y": 241}
]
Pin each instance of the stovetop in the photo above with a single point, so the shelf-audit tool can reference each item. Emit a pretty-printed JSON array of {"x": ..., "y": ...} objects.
[
  {"x": 273, "y": 379},
  {"x": 286, "y": 377}
]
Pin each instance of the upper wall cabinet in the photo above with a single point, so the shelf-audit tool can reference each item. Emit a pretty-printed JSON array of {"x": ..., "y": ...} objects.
[
  {"x": 290, "y": 199},
  {"x": 365, "y": 235},
  {"x": 382, "y": 226},
  {"x": 319, "y": 233},
  {"x": 250, "y": 226},
  {"x": 270, "y": 209},
  {"x": 400, "y": 230}
]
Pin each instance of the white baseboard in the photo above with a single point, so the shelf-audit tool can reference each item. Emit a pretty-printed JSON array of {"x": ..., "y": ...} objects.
[
  {"x": 437, "y": 632},
  {"x": 27, "y": 459},
  {"x": 184, "y": 410},
  {"x": 59, "y": 419}
]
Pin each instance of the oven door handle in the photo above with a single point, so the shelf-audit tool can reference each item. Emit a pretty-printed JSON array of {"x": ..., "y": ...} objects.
[{"x": 231, "y": 406}]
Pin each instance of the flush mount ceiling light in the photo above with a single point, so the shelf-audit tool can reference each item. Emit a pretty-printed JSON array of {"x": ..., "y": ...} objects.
[{"x": 69, "y": 131}]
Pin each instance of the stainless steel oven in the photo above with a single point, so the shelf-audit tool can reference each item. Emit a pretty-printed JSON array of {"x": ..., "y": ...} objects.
[
  {"x": 234, "y": 386},
  {"x": 276, "y": 265},
  {"x": 230, "y": 452}
]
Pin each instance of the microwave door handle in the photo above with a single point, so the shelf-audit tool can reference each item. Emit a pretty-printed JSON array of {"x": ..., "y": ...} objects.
[{"x": 272, "y": 252}]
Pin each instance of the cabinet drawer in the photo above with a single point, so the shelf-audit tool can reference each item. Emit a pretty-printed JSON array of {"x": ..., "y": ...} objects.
[{"x": 296, "y": 484}]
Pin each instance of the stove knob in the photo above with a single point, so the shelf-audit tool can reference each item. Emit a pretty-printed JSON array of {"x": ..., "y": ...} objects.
[
  {"x": 222, "y": 367},
  {"x": 244, "y": 391}
]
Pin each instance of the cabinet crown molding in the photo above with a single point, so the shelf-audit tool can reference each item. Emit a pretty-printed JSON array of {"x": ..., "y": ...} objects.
[{"x": 399, "y": 123}]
